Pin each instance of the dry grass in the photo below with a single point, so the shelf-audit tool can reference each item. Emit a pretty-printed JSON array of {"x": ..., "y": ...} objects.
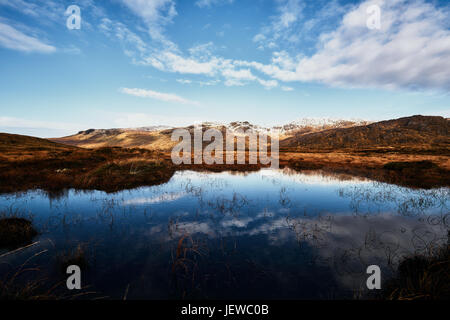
[
  {"x": 120, "y": 138},
  {"x": 410, "y": 169},
  {"x": 55, "y": 167},
  {"x": 421, "y": 278},
  {"x": 32, "y": 163}
]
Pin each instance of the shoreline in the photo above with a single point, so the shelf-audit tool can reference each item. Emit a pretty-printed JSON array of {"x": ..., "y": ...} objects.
[{"x": 116, "y": 169}]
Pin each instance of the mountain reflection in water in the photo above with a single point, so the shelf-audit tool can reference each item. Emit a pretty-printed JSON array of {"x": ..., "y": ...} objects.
[{"x": 270, "y": 234}]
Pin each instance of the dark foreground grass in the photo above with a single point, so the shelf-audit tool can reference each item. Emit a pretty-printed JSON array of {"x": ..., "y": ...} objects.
[
  {"x": 421, "y": 278},
  {"x": 16, "y": 232}
]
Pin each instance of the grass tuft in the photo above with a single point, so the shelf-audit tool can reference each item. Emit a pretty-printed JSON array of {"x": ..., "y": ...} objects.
[
  {"x": 16, "y": 232},
  {"x": 421, "y": 278}
]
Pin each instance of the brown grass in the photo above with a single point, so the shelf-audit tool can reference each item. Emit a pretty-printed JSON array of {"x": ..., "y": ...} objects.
[
  {"x": 409, "y": 169},
  {"x": 55, "y": 167},
  {"x": 32, "y": 163}
]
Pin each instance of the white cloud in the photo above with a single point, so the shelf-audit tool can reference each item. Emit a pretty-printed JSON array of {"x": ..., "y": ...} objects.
[
  {"x": 259, "y": 37},
  {"x": 412, "y": 50},
  {"x": 242, "y": 74},
  {"x": 202, "y": 51},
  {"x": 167, "y": 60},
  {"x": 209, "y": 82},
  {"x": 163, "y": 198},
  {"x": 268, "y": 84},
  {"x": 287, "y": 89},
  {"x": 14, "y": 39},
  {"x": 209, "y": 3},
  {"x": 184, "y": 81},
  {"x": 201, "y": 83},
  {"x": 166, "y": 97},
  {"x": 155, "y": 13},
  {"x": 204, "y": 63},
  {"x": 289, "y": 12},
  {"x": 40, "y": 9},
  {"x": 234, "y": 83}
]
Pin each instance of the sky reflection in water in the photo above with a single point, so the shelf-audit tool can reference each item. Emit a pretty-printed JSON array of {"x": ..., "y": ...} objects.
[{"x": 268, "y": 234}]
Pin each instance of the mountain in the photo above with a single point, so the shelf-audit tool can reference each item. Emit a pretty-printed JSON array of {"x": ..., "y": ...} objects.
[
  {"x": 417, "y": 132},
  {"x": 127, "y": 138},
  {"x": 150, "y": 128},
  {"x": 159, "y": 137},
  {"x": 309, "y": 125}
]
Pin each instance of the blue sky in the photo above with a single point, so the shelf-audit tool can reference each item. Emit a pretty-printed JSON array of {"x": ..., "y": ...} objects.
[{"x": 166, "y": 62}]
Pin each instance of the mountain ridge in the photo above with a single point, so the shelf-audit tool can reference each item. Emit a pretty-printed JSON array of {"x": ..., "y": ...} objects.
[
  {"x": 159, "y": 137},
  {"x": 427, "y": 132}
]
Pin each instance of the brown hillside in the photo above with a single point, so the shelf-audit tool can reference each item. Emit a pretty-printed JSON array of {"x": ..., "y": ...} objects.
[
  {"x": 152, "y": 140},
  {"x": 14, "y": 146},
  {"x": 416, "y": 132},
  {"x": 33, "y": 163},
  {"x": 8, "y": 141},
  {"x": 160, "y": 139}
]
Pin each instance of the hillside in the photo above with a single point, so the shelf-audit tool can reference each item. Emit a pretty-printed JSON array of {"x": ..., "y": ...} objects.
[
  {"x": 17, "y": 146},
  {"x": 126, "y": 138},
  {"x": 159, "y": 138},
  {"x": 311, "y": 125},
  {"x": 8, "y": 141},
  {"x": 416, "y": 132},
  {"x": 30, "y": 163}
]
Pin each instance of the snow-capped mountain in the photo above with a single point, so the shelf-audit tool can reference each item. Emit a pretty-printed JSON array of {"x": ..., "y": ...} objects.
[{"x": 306, "y": 125}]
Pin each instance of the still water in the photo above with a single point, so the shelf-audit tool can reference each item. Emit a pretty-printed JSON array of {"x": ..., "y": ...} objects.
[{"x": 272, "y": 234}]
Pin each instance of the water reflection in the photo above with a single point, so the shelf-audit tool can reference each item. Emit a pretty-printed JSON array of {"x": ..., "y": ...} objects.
[{"x": 269, "y": 234}]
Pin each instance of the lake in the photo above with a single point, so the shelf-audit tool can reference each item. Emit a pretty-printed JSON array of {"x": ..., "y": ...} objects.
[{"x": 271, "y": 234}]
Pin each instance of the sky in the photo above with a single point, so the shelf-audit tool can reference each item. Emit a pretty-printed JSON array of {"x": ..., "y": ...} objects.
[{"x": 133, "y": 63}]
